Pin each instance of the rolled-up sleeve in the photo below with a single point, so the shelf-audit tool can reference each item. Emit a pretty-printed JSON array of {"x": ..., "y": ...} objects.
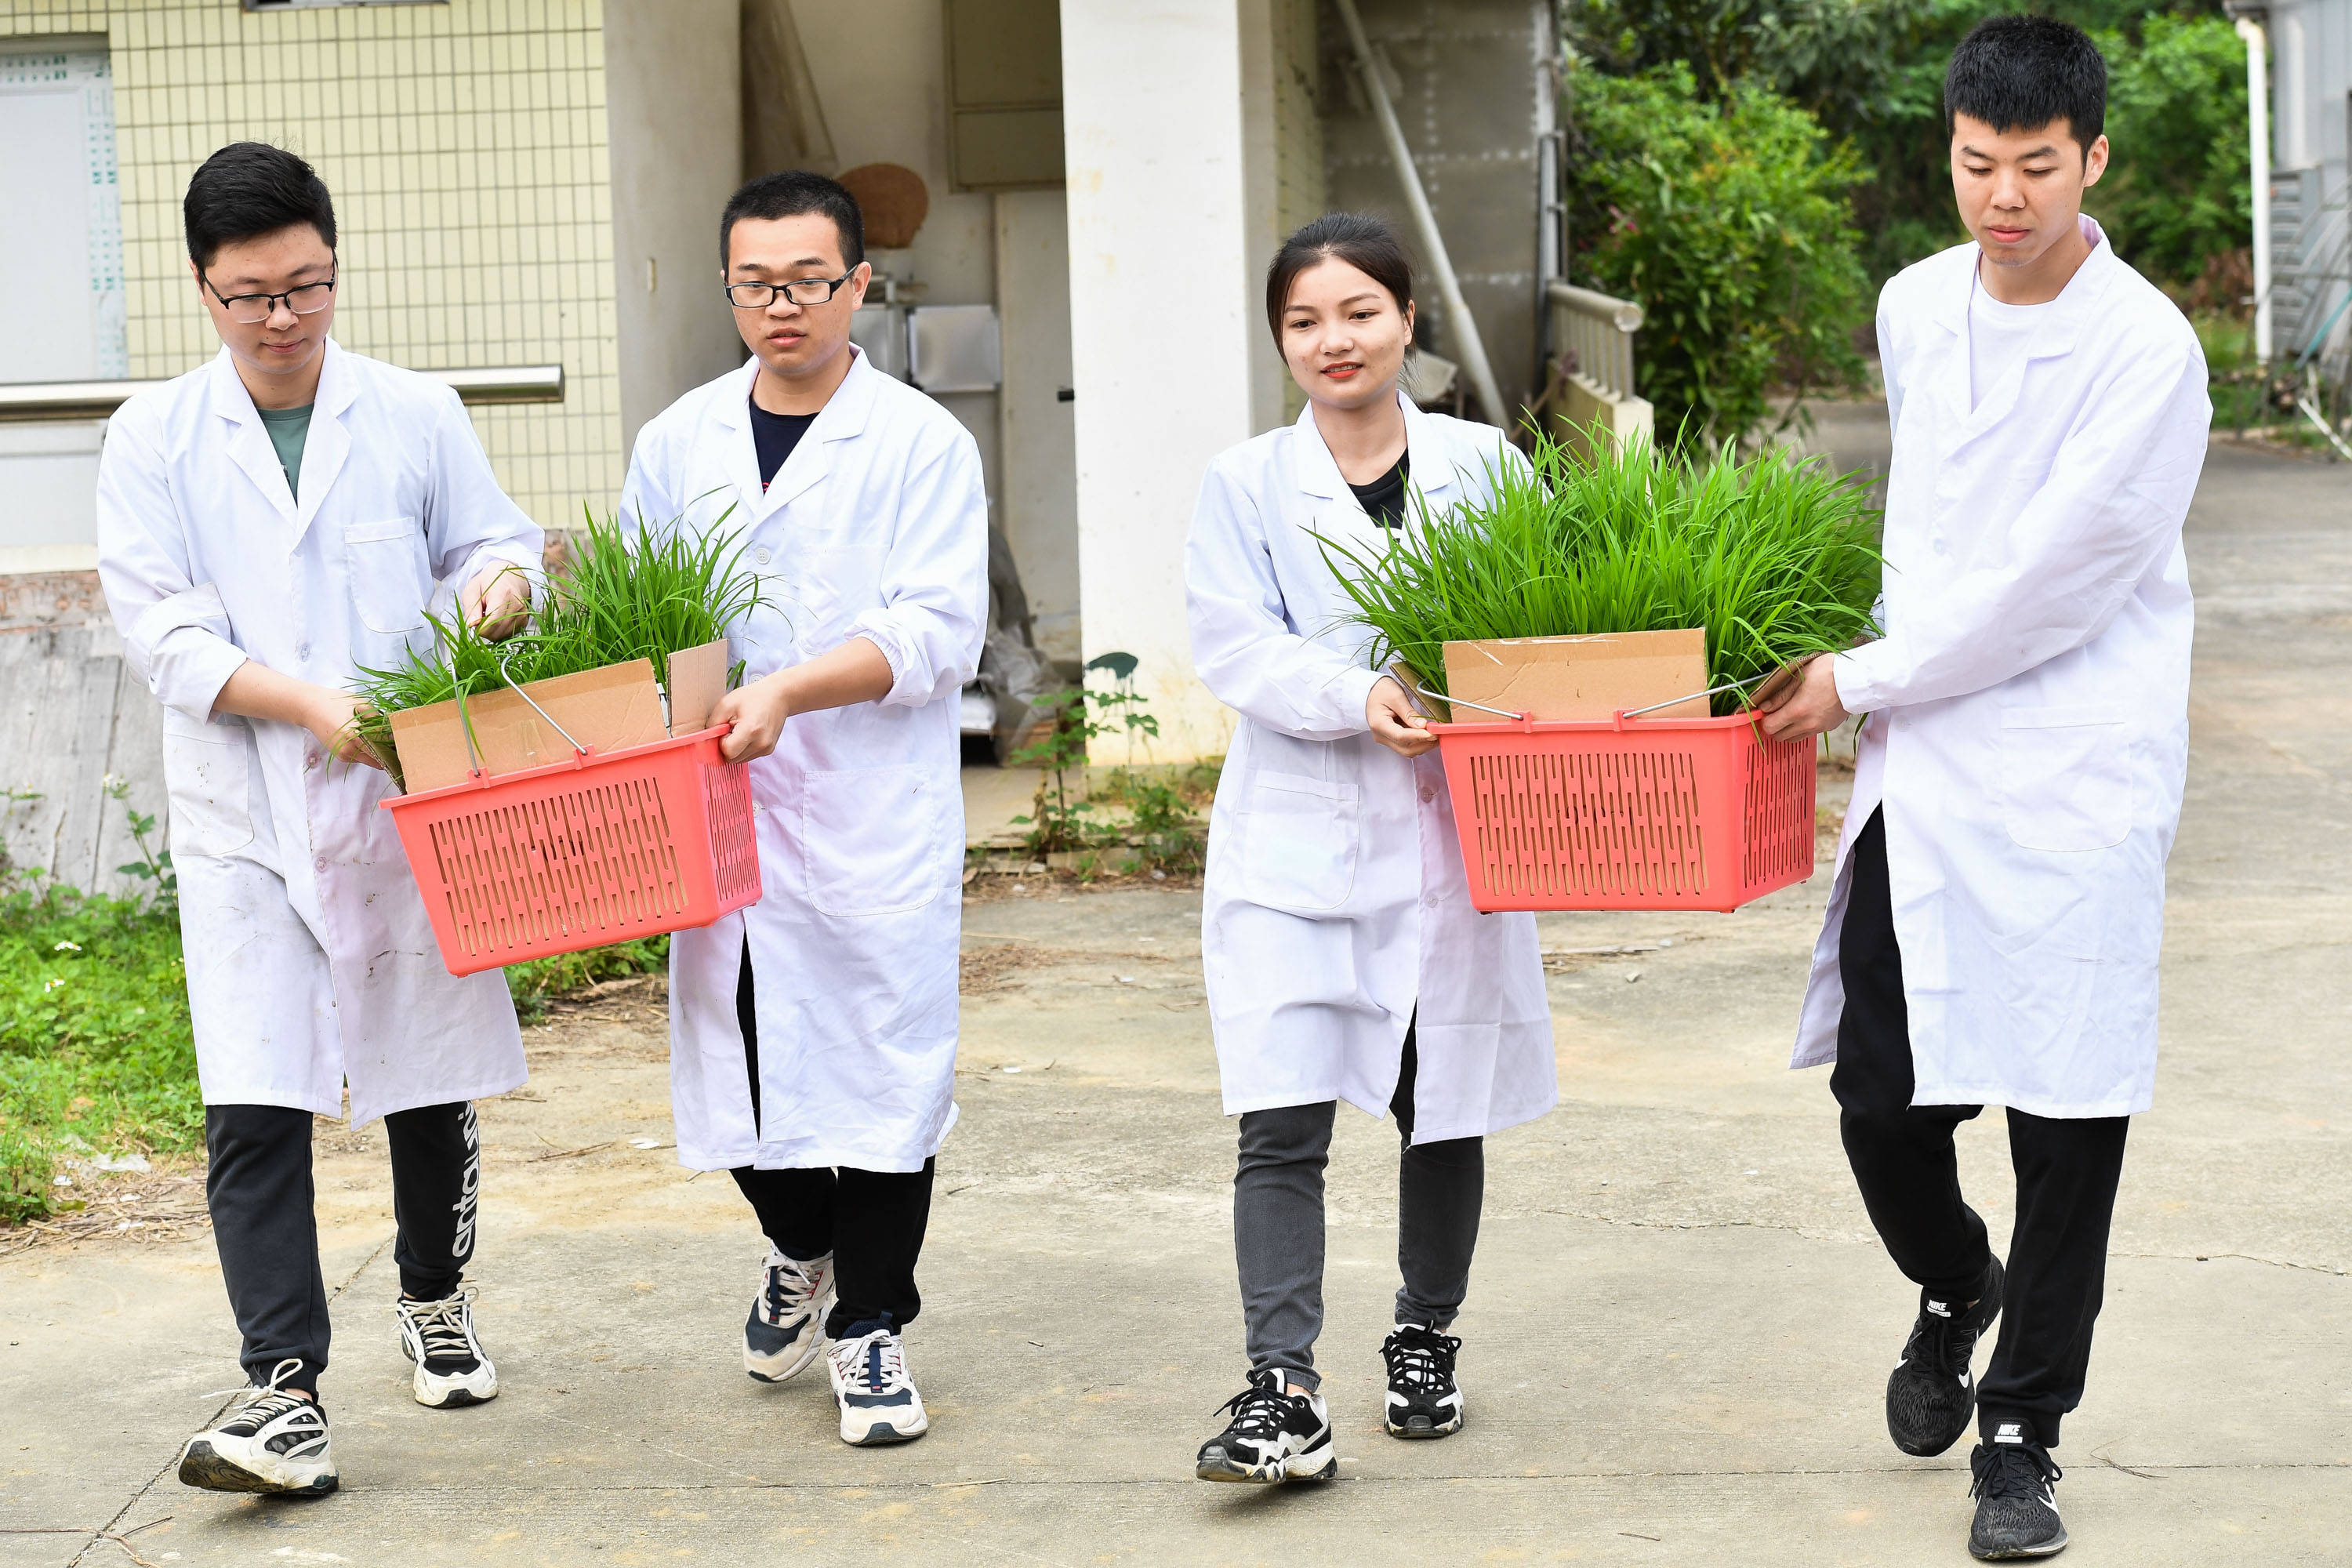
[
  {"x": 934, "y": 611},
  {"x": 1242, "y": 642},
  {"x": 175, "y": 632},
  {"x": 471, "y": 524}
]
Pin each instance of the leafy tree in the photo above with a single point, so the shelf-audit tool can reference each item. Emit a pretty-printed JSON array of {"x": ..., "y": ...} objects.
[
  {"x": 1731, "y": 221},
  {"x": 2176, "y": 197},
  {"x": 1871, "y": 72}
]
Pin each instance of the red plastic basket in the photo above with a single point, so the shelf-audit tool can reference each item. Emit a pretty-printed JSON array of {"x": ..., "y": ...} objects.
[
  {"x": 1628, "y": 813},
  {"x": 598, "y": 849}
]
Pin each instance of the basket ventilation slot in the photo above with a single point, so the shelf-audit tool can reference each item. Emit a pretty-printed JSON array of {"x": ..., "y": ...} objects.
[
  {"x": 1612, "y": 825},
  {"x": 582, "y": 863}
]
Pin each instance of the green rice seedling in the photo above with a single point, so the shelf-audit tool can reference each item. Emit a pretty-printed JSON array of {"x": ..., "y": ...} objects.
[
  {"x": 619, "y": 597},
  {"x": 1775, "y": 557}
]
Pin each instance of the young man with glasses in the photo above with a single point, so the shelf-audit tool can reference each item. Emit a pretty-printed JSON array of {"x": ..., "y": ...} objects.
[
  {"x": 269, "y": 525},
  {"x": 812, "y": 1036}
]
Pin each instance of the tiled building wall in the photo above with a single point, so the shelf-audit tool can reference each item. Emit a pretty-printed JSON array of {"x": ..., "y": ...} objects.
[{"x": 465, "y": 143}]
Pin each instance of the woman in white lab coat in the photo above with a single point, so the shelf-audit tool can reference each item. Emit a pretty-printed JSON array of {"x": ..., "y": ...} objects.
[
  {"x": 812, "y": 1037},
  {"x": 267, "y": 525},
  {"x": 1343, "y": 958},
  {"x": 1994, "y": 926}
]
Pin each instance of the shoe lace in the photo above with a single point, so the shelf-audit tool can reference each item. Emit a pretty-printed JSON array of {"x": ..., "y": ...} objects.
[
  {"x": 791, "y": 1284},
  {"x": 1419, "y": 1358},
  {"x": 1940, "y": 1343},
  {"x": 876, "y": 1363},
  {"x": 442, "y": 1327},
  {"x": 1257, "y": 1411},
  {"x": 2013, "y": 1470},
  {"x": 263, "y": 1403}
]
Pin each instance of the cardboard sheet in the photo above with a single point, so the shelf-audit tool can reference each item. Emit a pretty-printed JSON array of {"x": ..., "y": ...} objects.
[
  {"x": 1581, "y": 677},
  {"x": 698, "y": 680},
  {"x": 608, "y": 709}
]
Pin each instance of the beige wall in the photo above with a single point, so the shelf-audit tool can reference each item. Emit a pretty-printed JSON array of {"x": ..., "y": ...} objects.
[
  {"x": 674, "y": 109},
  {"x": 466, "y": 146}
]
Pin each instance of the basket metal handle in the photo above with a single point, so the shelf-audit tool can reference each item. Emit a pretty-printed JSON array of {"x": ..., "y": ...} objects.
[
  {"x": 1465, "y": 702},
  {"x": 1710, "y": 691},
  {"x": 506, "y": 653}
]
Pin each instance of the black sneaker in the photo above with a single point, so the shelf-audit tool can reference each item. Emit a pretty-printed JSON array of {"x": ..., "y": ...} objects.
[
  {"x": 1932, "y": 1393},
  {"x": 2017, "y": 1498},
  {"x": 1423, "y": 1399},
  {"x": 1274, "y": 1436},
  {"x": 277, "y": 1443}
]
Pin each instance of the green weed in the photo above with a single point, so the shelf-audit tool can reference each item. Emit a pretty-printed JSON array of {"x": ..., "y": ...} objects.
[{"x": 1775, "y": 557}]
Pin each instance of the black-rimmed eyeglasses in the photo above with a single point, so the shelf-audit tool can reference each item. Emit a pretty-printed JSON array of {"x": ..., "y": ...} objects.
[
  {"x": 799, "y": 291},
  {"x": 252, "y": 310}
]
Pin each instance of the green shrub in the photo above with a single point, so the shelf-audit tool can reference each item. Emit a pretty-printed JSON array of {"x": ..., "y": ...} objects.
[
  {"x": 2176, "y": 197},
  {"x": 96, "y": 1050},
  {"x": 1731, "y": 222},
  {"x": 534, "y": 982},
  {"x": 1775, "y": 557}
]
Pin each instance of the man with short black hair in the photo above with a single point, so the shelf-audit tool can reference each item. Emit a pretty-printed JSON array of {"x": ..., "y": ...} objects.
[
  {"x": 1993, "y": 930},
  {"x": 812, "y": 1036},
  {"x": 268, "y": 526}
]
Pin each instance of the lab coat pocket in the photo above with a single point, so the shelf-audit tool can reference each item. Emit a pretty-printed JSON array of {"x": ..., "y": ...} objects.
[
  {"x": 206, "y": 774},
  {"x": 1299, "y": 843},
  {"x": 837, "y": 583},
  {"x": 391, "y": 580},
  {"x": 874, "y": 839},
  {"x": 2066, "y": 782}
]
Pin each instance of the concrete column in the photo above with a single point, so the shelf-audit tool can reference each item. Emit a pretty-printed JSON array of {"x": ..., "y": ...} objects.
[{"x": 1162, "y": 326}]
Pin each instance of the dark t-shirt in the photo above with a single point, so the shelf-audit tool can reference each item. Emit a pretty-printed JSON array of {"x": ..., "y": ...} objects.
[
  {"x": 1383, "y": 499},
  {"x": 775, "y": 435}
]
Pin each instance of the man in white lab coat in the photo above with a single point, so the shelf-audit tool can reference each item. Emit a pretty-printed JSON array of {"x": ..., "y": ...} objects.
[
  {"x": 812, "y": 1037},
  {"x": 1994, "y": 926},
  {"x": 267, "y": 525}
]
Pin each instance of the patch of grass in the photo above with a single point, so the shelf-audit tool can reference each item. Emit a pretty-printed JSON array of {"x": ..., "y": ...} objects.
[
  {"x": 536, "y": 983},
  {"x": 1776, "y": 557},
  {"x": 96, "y": 1051}
]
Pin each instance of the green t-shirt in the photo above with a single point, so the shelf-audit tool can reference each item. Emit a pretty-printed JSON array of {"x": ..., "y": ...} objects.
[{"x": 289, "y": 430}]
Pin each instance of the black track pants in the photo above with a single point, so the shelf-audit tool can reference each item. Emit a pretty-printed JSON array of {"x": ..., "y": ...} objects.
[
  {"x": 1903, "y": 1159},
  {"x": 259, "y": 1189},
  {"x": 872, "y": 1222}
]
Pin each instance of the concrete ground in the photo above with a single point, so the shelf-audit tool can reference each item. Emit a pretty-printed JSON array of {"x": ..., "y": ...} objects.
[{"x": 1679, "y": 1327}]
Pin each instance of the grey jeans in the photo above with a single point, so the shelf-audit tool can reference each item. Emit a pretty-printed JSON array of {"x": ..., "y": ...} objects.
[{"x": 1278, "y": 1225}]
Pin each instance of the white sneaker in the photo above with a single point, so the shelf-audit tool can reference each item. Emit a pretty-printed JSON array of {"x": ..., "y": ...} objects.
[
  {"x": 452, "y": 1368},
  {"x": 275, "y": 1443},
  {"x": 878, "y": 1399},
  {"x": 786, "y": 1327}
]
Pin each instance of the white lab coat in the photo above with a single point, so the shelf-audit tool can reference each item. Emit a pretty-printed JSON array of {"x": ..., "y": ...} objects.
[
  {"x": 2028, "y": 736},
  {"x": 310, "y": 962},
  {"x": 1335, "y": 903},
  {"x": 876, "y": 527}
]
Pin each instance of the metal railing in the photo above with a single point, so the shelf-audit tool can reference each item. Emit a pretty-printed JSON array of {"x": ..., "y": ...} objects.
[
  {"x": 1593, "y": 336},
  {"x": 42, "y": 401}
]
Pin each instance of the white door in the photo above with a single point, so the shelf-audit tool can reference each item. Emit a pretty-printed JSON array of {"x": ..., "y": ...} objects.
[{"x": 61, "y": 272}]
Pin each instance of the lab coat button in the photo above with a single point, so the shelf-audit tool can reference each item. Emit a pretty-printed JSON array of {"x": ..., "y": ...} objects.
[
  {"x": 759, "y": 556},
  {"x": 1427, "y": 794},
  {"x": 303, "y": 650}
]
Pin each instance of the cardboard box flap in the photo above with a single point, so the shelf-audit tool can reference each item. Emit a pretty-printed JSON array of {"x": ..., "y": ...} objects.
[
  {"x": 698, "y": 680},
  {"x": 1581, "y": 677},
  {"x": 607, "y": 710}
]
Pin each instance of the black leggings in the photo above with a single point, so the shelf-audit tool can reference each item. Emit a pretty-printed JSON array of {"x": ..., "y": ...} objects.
[
  {"x": 871, "y": 1221},
  {"x": 1903, "y": 1159},
  {"x": 259, "y": 1189}
]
